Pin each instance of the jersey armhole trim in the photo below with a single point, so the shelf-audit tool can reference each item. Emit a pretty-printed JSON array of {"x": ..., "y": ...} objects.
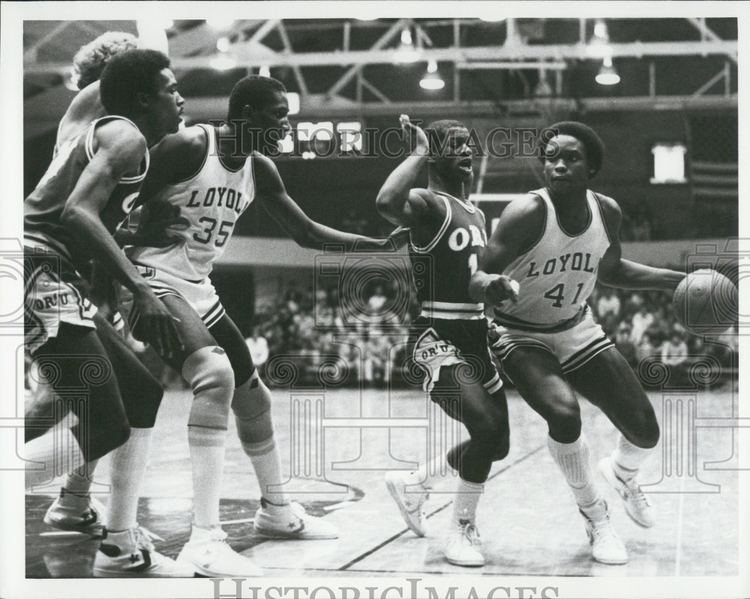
[
  {"x": 539, "y": 238},
  {"x": 441, "y": 231},
  {"x": 89, "y": 146},
  {"x": 602, "y": 216},
  {"x": 203, "y": 162}
]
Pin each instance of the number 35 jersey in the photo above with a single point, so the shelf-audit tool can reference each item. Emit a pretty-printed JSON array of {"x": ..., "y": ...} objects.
[
  {"x": 558, "y": 274},
  {"x": 211, "y": 200}
]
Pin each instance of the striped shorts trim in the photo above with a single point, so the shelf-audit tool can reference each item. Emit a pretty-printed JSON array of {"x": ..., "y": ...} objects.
[
  {"x": 200, "y": 295},
  {"x": 573, "y": 348}
]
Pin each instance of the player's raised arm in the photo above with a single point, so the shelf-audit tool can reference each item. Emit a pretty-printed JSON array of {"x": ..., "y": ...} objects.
[
  {"x": 121, "y": 150},
  {"x": 271, "y": 193},
  {"x": 519, "y": 226},
  {"x": 397, "y": 199},
  {"x": 615, "y": 271}
]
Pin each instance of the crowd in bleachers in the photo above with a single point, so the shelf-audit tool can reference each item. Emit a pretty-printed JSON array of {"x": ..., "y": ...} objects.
[{"x": 307, "y": 329}]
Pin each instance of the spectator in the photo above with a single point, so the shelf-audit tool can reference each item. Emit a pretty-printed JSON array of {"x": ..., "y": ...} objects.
[
  {"x": 608, "y": 303},
  {"x": 258, "y": 347},
  {"x": 624, "y": 343},
  {"x": 674, "y": 351},
  {"x": 642, "y": 320},
  {"x": 645, "y": 349}
]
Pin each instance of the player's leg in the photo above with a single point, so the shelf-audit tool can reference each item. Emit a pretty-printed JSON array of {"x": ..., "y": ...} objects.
[
  {"x": 464, "y": 398},
  {"x": 608, "y": 382},
  {"x": 539, "y": 379},
  {"x": 75, "y": 359},
  {"x": 126, "y": 549},
  {"x": 251, "y": 404},
  {"x": 141, "y": 395},
  {"x": 206, "y": 368}
]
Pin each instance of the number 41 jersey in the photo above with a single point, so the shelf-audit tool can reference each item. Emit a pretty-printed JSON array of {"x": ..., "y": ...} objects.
[
  {"x": 211, "y": 200},
  {"x": 558, "y": 274}
]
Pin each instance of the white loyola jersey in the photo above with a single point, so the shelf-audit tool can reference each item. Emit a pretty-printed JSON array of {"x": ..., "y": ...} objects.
[
  {"x": 558, "y": 274},
  {"x": 212, "y": 201}
]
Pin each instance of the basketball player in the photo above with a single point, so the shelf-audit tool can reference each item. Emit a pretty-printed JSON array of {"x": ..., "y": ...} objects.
[
  {"x": 557, "y": 242},
  {"x": 213, "y": 174},
  {"x": 74, "y": 509},
  {"x": 447, "y": 234},
  {"x": 88, "y": 190},
  {"x": 88, "y": 64}
]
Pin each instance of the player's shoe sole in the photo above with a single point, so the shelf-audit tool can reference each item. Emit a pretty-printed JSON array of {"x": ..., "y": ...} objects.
[{"x": 414, "y": 518}]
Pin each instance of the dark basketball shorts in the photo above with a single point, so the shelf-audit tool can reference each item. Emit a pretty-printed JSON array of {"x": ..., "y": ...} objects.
[{"x": 438, "y": 343}]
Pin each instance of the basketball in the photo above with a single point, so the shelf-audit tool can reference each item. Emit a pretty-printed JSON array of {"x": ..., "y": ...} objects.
[{"x": 705, "y": 302}]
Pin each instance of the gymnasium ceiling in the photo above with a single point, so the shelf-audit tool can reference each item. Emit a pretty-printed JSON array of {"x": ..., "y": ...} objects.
[{"x": 348, "y": 67}]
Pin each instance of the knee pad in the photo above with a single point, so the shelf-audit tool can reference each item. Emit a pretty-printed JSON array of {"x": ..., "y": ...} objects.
[
  {"x": 252, "y": 408},
  {"x": 211, "y": 378}
]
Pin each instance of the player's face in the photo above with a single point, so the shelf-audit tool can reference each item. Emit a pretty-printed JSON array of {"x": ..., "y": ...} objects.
[
  {"x": 273, "y": 121},
  {"x": 168, "y": 103},
  {"x": 454, "y": 159},
  {"x": 566, "y": 169}
]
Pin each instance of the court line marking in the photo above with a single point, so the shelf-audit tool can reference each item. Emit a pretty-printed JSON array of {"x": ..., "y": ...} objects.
[
  {"x": 379, "y": 546},
  {"x": 680, "y": 518}
]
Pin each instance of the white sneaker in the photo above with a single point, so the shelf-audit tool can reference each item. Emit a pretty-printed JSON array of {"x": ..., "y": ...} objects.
[
  {"x": 410, "y": 502},
  {"x": 606, "y": 546},
  {"x": 636, "y": 503},
  {"x": 79, "y": 514},
  {"x": 208, "y": 554},
  {"x": 464, "y": 544},
  {"x": 291, "y": 522},
  {"x": 131, "y": 553}
]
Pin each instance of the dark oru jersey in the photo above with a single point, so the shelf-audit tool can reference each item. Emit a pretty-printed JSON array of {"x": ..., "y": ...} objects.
[
  {"x": 443, "y": 268},
  {"x": 44, "y": 206}
]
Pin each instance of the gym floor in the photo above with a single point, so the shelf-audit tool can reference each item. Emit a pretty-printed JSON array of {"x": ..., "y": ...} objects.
[{"x": 339, "y": 444}]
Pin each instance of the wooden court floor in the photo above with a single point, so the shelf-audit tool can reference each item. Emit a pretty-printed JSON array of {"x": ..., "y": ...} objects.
[{"x": 339, "y": 444}]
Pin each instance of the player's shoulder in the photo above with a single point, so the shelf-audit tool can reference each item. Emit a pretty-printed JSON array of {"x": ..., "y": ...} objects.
[
  {"x": 187, "y": 141},
  {"x": 610, "y": 208},
  {"x": 425, "y": 197},
  {"x": 531, "y": 208},
  {"x": 116, "y": 135},
  {"x": 263, "y": 165}
]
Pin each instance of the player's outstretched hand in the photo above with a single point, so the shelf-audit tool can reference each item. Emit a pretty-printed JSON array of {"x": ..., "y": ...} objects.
[
  {"x": 500, "y": 289},
  {"x": 156, "y": 325},
  {"x": 414, "y": 135}
]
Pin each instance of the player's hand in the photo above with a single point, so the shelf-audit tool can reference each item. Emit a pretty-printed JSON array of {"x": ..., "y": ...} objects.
[
  {"x": 159, "y": 223},
  {"x": 156, "y": 325},
  {"x": 501, "y": 288},
  {"x": 415, "y": 136},
  {"x": 397, "y": 238}
]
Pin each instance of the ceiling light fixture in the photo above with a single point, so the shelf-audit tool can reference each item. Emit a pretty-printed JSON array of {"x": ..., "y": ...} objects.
[
  {"x": 607, "y": 74},
  {"x": 432, "y": 80},
  {"x": 406, "y": 51}
]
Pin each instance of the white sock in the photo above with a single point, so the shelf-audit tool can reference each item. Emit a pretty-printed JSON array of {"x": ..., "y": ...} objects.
[
  {"x": 574, "y": 462},
  {"x": 627, "y": 458},
  {"x": 75, "y": 489},
  {"x": 467, "y": 499},
  {"x": 54, "y": 453},
  {"x": 432, "y": 472},
  {"x": 127, "y": 468},
  {"x": 267, "y": 465},
  {"x": 207, "y": 449}
]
